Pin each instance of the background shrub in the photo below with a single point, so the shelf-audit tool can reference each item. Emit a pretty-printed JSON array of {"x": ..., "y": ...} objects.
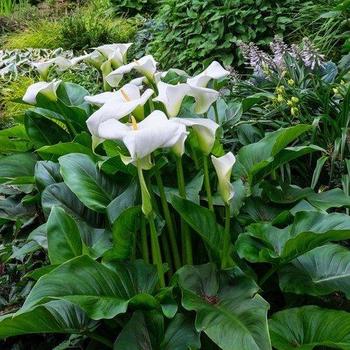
[
  {"x": 132, "y": 7},
  {"x": 199, "y": 31},
  {"x": 40, "y": 34}
]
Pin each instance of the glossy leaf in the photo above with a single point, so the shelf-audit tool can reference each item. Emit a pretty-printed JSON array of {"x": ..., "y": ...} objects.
[
  {"x": 321, "y": 271},
  {"x": 90, "y": 185},
  {"x": 63, "y": 237},
  {"x": 46, "y": 173},
  {"x": 53, "y": 317},
  {"x": 307, "y": 327},
  {"x": 265, "y": 243},
  {"x": 98, "y": 290},
  {"x": 228, "y": 308}
]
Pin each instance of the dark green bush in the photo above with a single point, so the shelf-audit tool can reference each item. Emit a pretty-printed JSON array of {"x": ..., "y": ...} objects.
[
  {"x": 83, "y": 31},
  {"x": 199, "y": 31},
  {"x": 132, "y": 7}
]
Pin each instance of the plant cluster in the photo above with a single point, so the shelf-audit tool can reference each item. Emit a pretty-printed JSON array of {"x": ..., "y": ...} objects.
[
  {"x": 201, "y": 31},
  {"x": 157, "y": 236},
  {"x": 134, "y": 7}
]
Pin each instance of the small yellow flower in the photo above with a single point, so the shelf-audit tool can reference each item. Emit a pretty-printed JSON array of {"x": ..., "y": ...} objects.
[
  {"x": 280, "y": 98},
  {"x": 280, "y": 90},
  {"x": 335, "y": 91},
  {"x": 290, "y": 103},
  {"x": 294, "y": 111},
  {"x": 295, "y": 99},
  {"x": 291, "y": 82}
]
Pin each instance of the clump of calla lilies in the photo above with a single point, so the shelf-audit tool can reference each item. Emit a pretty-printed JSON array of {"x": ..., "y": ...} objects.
[{"x": 143, "y": 113}]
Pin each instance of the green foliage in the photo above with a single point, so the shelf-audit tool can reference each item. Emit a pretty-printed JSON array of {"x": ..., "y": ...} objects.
[
  {"x": 39, "y": 34},
  {"x": 202, "y": 31},
  {"x": 82, "y": 31},
  {"x": 133, "y": 7}
]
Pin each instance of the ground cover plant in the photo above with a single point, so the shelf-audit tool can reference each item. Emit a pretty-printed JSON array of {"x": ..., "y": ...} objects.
[{"x": 158, "y": 214}]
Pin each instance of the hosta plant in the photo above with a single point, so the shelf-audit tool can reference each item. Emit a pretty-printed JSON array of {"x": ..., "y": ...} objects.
[{"x": 162, "y": 231}]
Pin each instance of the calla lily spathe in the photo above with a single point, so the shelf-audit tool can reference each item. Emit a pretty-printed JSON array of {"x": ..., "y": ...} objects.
[
  {"x": 213, "y": 71},
  {"x": 141, "y": 139},
  {"x": 171, "y": 96},
  {"x": 204, "y": 96},
  {"x": 125, "y": 101},
  {"x": 46, "y": 88},
  {"x": 205, "y": 130},
  {"x": 223, "y": 167},
  {"x": 116, "y": 53},
  {"x": 146, "y": 66},
  {"x": 43, "y": 67}
]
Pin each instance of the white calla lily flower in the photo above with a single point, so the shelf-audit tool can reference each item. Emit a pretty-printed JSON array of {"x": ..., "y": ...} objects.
[
  {"x": 141, "y": 139},
  {"x": 205, "y": 130},
  {"x": 214, "y": 71},
  {"x": 146, "y": 66},
  {"x": 48, "y": 89},
  {"x": 43, "y": 67},
  {"x": 115, "y": 52},
  {"x": 204, "y": 98},
  {"x": 96, "y": 59},
  {"x": 125, "y": 101},
  {"x": 223, "y": 167},
  {"x": 171, "y": 96},
  {"x": 66, "y": 63}
]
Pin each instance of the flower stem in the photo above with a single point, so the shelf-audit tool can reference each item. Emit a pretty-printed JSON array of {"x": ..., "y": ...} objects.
[
  {"x": 186, "y": 238},
  {"x": 168, "y": 220},
  {"x": 227, "y": 238},
  {"x": 207, "y": 183},
  {"x": 216, "y": 112},
  {"x": 156, "y": 255},
  {"x": 144, "y": 244}
]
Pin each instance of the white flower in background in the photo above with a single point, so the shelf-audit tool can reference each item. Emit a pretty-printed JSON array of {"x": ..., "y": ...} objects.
[
  {"x": 146, "y": 66},
  {"x": 171, "y": 96},
  {"x": 66, "y": 63},
  {"x": 48, "y": 89},
  {"x": 123, "y": 102},
  {"x": 206, "y": 97},
  {"x": 214, "y": 71},
  {"x": 43, "y": 67},
  {"x": 96, "y": 59},
  {"x": 116, "y": 53},
  {"x": 205, "y": 130},
  {"x": 141, "y": 139},
  {"x": 223, "y": 167}
]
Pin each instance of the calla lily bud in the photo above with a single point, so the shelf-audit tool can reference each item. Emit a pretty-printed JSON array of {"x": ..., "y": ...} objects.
[
  {"x": 205, "y": 130},
  {"x": 47, "y": 89},
  {"x": 223, "y": 167},
  {"x": 171, "y": 96},
  {"x": 116, "y": 53}
]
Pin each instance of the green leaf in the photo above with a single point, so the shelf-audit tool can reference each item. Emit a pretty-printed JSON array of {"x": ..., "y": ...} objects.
[
  {"x": 91, "y": 186},
  {"x": 228, "y": 308},
  {"x": 42, "y": 131},
  {"x": 307, "y": 327},
  {"x": 127, "y": 199},
  {"x": 203, "y": 221},
  {"x": 52, "y": 317},
  {"x": 63, "y": 237},
  {"x": 258, "y": 159},
  {"x": 123, "y": 232},
  {"x": 46, "y": 173},
  {"x": 145, "y": 331},
  {"x": 321, "y": 271},
  {"x": 60, "y": 195},
  {"x": 61, "y": 149},
  {"x": 100, "y": 291},
  {"x": 17, "y": 165},
  {"x": 265, "y": 243}
]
